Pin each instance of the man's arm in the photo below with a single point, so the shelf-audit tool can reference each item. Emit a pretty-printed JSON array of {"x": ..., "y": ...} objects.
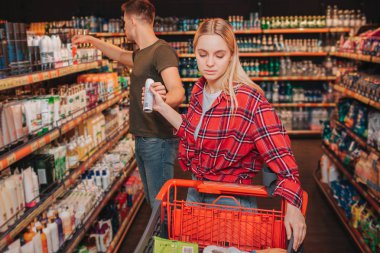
[
  {"x": 173, "y": 83},
  {"x": 111, "y": 51}
]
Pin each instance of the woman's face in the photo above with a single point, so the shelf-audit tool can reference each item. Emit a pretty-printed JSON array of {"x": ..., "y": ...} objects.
[{"x": 213, "y": 57}]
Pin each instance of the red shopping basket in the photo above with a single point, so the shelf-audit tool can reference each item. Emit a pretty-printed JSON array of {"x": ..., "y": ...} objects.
[{"x": 227, "y": 226}]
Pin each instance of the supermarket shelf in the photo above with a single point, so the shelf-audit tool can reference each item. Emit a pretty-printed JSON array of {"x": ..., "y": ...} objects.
[
  {"x": 108, "y": 34},
  {"x": 17, "y": 81},
  {"x": 340, "y": 29},
  {"x": 13, "y": 156},
  {"x": 126, "y": 224},
  {"x": 355, "y": 234},
  {"x": 23, "y": 222},
  {"x": 278, "y": 78},
  {"x": 359, "y": 188},
  {"x": 104, "y": 148},
  {"x": 297, "y": 30},
  {"x": 295, "y": 78},
  {"x": 176, "y": 33},
  {"x": 304, "y": 104},
  {"x": 353, "y": 56},
  {"x": 304, "y": 132},
  {"x": 268, "y": 54},
  {"x": 289, "y": 105},
  {"x": 357, "y": 96},
  {"x": 376, "y": 59},
  {"x": 362, "y": 142},
  {"x": 77, "y": 237},
  {"x": 270, "y": 31}
]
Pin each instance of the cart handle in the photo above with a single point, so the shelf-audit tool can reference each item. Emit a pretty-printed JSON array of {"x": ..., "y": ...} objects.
[{"x": 212, "y": 187}]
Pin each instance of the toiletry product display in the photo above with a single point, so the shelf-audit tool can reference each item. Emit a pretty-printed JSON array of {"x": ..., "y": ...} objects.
[
  {"x": 39, "y": 114},
  {"x": 354, "y": 115},
  {"x": 22, "y": 53},
  {"x": 288, "y": 92},
  {"x": 366, "y": 43},
  {"x": 357, "y": 211},
  {"x": 112, "y": 216},
  {"x": 49, "y": 231},
  {"x": 362, "y": 84}
]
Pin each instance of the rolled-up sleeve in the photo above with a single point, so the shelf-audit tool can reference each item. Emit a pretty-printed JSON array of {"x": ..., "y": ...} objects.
[{"x": 180, "y": 132}]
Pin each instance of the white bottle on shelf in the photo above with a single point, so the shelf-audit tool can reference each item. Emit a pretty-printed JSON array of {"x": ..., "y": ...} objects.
[
  {"x": 44, "y": 52},
  {"x": 47, "y": 232},
  {"x": 54, "y": 234},
  {"x": 66, "y": 222}
]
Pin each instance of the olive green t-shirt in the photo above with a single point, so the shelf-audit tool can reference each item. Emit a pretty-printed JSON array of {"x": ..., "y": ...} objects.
[{"x": 148, "y": 63}]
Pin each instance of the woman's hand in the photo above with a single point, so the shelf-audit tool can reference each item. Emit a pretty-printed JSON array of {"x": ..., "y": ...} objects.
[
  {"x": 295, "y": 224},
  {"x": 159, "y": 95}
]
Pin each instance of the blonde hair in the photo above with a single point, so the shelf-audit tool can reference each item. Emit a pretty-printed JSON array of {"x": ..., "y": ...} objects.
[{"x": 234, "y": 73}]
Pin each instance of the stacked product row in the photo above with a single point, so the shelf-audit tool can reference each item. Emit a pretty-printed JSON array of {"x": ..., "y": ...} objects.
[
  {"x": 21, "y": 54},
  {"x": 46, "y": 168},
  {"x": 56, "y": 225},
  {"x": 274, "y": 66},
  {"x": 334, "y": 18},
  {"x": 357, "y": 211},
  {"x": 367, "y": 43},
  {"x": 112, "y": 216},
  {"x": 37, "y": 114}
]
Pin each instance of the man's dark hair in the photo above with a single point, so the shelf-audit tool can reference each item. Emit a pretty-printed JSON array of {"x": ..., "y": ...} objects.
[{"x": 142, "y": 8}]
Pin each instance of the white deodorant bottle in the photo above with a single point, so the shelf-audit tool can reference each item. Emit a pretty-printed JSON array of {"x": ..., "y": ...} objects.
[{"x": 148, "y": 98}]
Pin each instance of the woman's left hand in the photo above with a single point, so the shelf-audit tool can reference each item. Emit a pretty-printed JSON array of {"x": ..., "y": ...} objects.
[{"x": 295, "y": 224}]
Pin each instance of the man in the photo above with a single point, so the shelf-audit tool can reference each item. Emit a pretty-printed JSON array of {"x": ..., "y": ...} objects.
[{"x": 156, "y": 147}]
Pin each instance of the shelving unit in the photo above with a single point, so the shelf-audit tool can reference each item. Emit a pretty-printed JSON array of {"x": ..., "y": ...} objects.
[
  {"x": 17, "y": 81},
  {"x": 77, "y": 237},
  {"x": 270, "y": 54},
  {"x": 126, "y": 224},
  {"x": 355, "y": 234},
  {"x": 354, "y": 95},
  {"x": 23, "y": 222},
  {"x": 362, "y": 142},
  {"x": 20, "y": 152},
  {"x": 323, "y": 105},
  {"x": 358, "y": 57},
  {"x": 304, "y": 132},
  {"x": 270, "y": 31},
  {"x": 373, "y": 202},
  {"x": 278, "y": 78}
]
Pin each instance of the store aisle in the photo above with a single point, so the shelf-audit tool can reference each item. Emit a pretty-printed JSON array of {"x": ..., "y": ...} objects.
[{"x": 325, "y": 232}]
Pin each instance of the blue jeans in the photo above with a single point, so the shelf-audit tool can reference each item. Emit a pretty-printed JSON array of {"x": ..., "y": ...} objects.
[
  {"x": 155, "y": 159},
  {"x": 194, "y": 196}
]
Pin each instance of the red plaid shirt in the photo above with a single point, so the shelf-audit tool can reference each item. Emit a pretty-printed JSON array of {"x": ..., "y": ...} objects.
[{"x": 233, "y": 148}]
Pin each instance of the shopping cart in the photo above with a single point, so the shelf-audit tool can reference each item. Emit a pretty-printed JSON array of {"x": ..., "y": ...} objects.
[{"x": 212, "y": 224}]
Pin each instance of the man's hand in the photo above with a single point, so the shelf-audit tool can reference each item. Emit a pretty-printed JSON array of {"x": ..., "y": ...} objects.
[
  {"x": 78, "y": 39},
  {"x": 295, "y": 224}
]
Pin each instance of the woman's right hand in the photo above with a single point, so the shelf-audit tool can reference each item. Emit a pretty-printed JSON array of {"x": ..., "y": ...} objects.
[
  {"x": 78, "y": 39},
  {"x": 159, "y": 95}
]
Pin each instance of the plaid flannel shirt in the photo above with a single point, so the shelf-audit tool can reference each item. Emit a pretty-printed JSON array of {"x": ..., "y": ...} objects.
[{"x": 233, "y": 146}]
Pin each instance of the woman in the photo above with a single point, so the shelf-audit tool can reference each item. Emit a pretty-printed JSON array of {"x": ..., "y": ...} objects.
[{"x": 230, "y": 129}]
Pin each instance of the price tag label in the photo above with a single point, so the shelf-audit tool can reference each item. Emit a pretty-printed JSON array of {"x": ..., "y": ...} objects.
[
  {"x": 35, "y": 78},
  {"x": 34, "y": 146},
  {"x": 42, "y": 142},
  {"x": 11, "y": 159}
]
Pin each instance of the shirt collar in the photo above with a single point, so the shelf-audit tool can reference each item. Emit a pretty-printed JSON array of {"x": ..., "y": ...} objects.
[{"x": 200, "y": 84}]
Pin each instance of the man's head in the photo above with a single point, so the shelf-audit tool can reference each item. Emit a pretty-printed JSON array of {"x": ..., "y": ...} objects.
[{"x": 137, "y": 12}]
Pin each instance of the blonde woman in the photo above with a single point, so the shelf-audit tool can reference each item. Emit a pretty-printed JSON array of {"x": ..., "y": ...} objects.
[{"x": 230, "y": 129}]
